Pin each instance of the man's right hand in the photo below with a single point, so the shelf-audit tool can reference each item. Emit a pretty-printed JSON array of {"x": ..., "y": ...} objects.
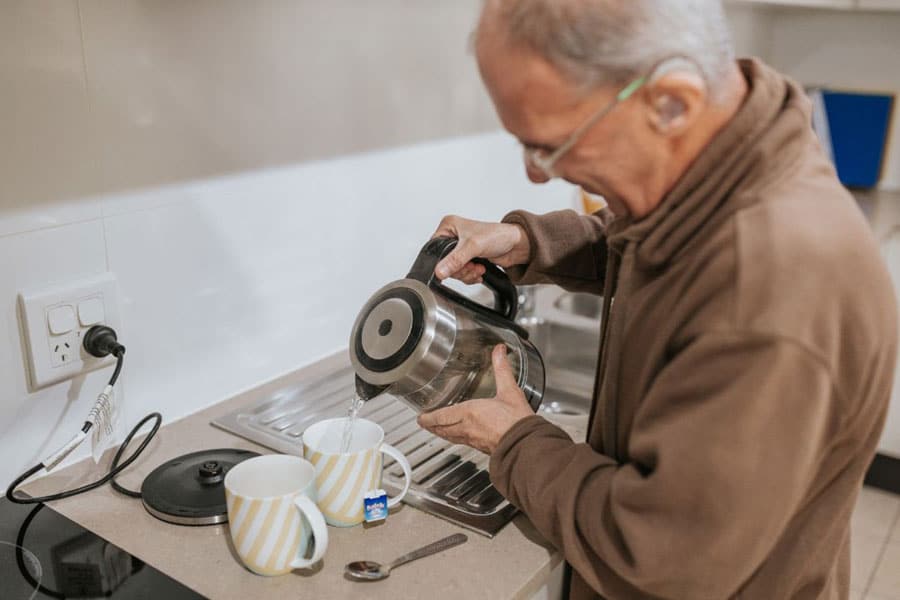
[{"x": 504, "y": 244}]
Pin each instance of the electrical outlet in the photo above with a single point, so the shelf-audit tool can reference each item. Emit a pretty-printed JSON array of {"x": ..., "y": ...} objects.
[
  {"x": 55, "y": 320},
  {"x": 64, "y": 348}
]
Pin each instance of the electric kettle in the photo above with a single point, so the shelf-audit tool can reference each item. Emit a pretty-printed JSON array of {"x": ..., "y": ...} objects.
[{"x": 431, "y": 347}]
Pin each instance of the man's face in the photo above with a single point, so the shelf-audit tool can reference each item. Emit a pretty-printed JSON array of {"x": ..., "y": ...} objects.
[{"x": 542, "y": 108}]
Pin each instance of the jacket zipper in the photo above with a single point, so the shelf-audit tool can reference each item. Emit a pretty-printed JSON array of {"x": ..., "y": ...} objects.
[{"x": 608, "y": 443}]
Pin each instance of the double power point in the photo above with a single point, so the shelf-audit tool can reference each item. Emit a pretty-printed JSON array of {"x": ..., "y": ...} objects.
[{"x": 54, "y": 322}]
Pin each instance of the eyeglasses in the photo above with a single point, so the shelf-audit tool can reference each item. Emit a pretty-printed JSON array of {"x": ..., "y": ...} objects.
[{"x": 539, "y": 158}]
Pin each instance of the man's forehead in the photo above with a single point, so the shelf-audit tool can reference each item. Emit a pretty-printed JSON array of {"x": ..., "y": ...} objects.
[
  {"x": 516, "y": 71},
  {"x": 528, "y": 91}
]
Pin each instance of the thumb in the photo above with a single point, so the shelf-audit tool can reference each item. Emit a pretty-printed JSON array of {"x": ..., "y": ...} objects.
[
  {"x": 503, "y": 373},
  {"x": 455, "y": 261}
]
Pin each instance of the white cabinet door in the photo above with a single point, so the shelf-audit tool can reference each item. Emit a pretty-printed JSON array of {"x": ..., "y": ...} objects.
[
  {"x": 879, "y": 4},
  {"x": 890, "y": 439}
]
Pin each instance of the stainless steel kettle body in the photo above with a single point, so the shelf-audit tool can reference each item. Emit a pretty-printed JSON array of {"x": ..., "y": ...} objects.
[{"x": 430, "y": 346}]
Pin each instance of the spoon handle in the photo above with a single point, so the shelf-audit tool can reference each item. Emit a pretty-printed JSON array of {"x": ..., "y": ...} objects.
[{"x": 448, "y": 542}]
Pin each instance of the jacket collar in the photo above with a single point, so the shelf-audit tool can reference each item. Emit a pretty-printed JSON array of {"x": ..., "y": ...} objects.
[{"x": 767, "y": 131}]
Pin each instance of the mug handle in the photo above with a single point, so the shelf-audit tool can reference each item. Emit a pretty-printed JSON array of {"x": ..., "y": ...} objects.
[
  {"x": 316, "y": 521},
  {"x": 407, "y": 472}
]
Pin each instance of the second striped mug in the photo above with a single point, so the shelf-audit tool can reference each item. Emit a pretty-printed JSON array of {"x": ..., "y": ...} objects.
[
  {"x": 272, "y": 514},
  {"x": 344, "y": 478}
]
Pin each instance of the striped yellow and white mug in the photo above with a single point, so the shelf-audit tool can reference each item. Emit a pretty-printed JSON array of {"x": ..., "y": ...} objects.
[
  {"x": 344, "y": 478},
  {"x": 272, "y": 514}
]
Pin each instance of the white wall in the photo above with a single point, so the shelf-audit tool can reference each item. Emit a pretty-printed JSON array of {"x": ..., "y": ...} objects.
[
  {"x": 101, "y": 97},
  {"x": 750, "y": 29},
  {"x": 887, "y": 222}
]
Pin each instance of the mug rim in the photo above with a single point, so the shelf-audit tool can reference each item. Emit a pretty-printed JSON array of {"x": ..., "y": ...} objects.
[
  {"x": 289, "y": 458},
  {"x": 325, "y": 422}
]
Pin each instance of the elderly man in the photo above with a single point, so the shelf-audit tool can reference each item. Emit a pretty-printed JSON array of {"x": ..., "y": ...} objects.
[{"x": 749, "y": 331}]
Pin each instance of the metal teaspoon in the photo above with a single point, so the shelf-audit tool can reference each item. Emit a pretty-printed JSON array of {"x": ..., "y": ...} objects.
[{"x": 364, "y": 570}]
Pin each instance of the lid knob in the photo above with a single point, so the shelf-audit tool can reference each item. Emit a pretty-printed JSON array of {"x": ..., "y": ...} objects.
[{"x": 211, "y": 472}]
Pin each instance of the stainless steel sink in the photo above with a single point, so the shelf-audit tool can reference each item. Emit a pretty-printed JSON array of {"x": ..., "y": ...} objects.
[
  {"x": 562, "y": 327},
  {"x": 580, "y": 304},
  {"x": 448, "y": 480}
]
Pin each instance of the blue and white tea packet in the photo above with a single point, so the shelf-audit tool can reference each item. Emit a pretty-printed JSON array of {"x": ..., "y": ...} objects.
[{"x": 375, "y": 506}]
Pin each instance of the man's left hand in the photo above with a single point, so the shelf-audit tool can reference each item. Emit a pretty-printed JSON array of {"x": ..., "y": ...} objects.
[{"x": 482, "y": 423}]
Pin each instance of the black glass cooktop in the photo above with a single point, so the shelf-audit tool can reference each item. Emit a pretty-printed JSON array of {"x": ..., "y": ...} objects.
[{"x": 71, "y": 562}]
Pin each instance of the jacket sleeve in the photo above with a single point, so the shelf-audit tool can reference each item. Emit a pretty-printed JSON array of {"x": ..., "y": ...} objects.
[
  {"x": 722, "y": 449},
  {"x": 567, "y": 249}
]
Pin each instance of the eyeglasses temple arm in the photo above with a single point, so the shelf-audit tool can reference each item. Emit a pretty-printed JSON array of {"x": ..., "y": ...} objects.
[{"x": 626, "y": 92}]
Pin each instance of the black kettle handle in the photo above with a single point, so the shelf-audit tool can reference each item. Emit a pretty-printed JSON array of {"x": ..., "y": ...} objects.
[{"x": 506, "y": 298}]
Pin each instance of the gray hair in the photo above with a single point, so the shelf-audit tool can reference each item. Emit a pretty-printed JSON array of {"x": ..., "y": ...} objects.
[{"x": 595, "y": 42}]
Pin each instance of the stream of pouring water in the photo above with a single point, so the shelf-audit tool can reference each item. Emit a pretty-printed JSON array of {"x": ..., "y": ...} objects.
[{"x": 355, "y": 404}]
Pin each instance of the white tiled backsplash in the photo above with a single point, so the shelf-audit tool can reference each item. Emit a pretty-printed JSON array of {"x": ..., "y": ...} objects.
[{"x": 229, "y": 282}]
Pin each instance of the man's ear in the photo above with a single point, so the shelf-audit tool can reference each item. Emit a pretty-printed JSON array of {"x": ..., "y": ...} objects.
[{"x": 675, "y": 101}]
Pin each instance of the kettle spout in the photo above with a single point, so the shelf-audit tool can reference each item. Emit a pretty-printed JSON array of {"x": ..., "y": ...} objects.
[{"x": 366, "y": 391}]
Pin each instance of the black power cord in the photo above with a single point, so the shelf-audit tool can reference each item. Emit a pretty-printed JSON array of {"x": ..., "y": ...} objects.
[
  {"x": 115, "y": 469},
  {"x": 20, "y": 557},
  {"x": 99, "y": 341}
]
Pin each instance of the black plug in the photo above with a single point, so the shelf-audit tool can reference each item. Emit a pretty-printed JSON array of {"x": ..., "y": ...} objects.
[{"x": 101, "y": 341}]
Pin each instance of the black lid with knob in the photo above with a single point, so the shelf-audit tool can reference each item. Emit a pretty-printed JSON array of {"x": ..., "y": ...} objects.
[{"x": 190, "y": 489}]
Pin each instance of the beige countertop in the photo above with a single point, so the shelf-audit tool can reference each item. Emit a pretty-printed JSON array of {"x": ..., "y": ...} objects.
[{"x": 514, "y": 564}]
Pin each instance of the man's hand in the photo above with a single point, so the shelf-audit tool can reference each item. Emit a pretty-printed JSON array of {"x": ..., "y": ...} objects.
[
  {"x": 503, "y": 244},
  {"x": 481, "y": 423}
]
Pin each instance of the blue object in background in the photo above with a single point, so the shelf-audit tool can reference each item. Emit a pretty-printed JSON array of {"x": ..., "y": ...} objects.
[{"x": 858, "y": 126}]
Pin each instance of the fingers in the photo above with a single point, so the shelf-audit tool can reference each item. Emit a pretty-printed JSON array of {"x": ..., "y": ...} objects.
[
  {"x": 477, "y": 423},
  {"x": 458, "y": 264},
  {"x": 471, "y": 273},
  {"x": 444, "y": 417},
  {"x": 448, "y": 227},
  {"x": 503, "y": 243},
  {"x": 456, "y": 425},
  {"x": 503, "y": 373},
  {"x": 456, "y": 260}
]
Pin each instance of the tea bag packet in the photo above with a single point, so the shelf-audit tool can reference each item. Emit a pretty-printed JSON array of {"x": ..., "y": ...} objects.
[{"x": 375, "y": 506}]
